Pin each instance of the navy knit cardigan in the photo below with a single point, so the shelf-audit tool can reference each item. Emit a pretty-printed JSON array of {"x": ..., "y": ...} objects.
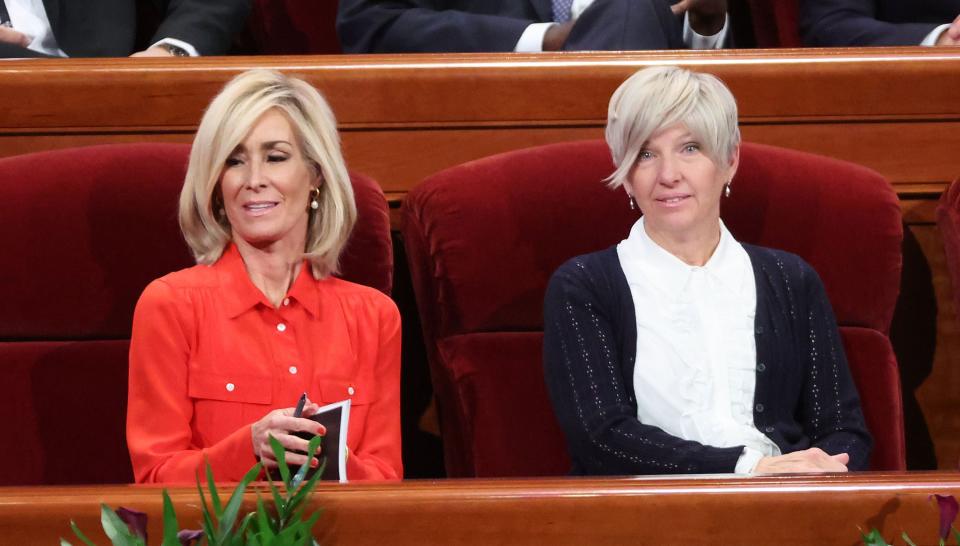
[{"x": 804, "y": 394}]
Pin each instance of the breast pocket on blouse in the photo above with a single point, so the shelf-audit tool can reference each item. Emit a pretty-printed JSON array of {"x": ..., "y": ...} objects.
[
  {"x": 224, "y": 402},
  {"x": 361, "y": 396}
]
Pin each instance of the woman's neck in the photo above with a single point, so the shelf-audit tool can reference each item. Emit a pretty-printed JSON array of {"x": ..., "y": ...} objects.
[
  {"x": 692, "y": 248},
  {"x": 272, "y": 268}
]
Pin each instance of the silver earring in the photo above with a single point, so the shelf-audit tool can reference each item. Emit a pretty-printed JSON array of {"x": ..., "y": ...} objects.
[
  {"x": 633, "y": 204},
  {"x": 316, "y": 195},
  {"x": 726, "y": 190}
]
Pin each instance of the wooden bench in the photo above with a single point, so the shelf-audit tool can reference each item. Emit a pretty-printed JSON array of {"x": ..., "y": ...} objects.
[{"x": 789, "y": 510}]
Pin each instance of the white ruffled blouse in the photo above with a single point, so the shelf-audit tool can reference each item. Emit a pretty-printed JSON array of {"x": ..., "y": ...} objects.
[{"x": 695, "y": 372}]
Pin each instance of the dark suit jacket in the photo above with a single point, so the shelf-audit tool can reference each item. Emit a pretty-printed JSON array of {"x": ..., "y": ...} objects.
[
  {"x": 872, "y": 22},
  {"x": 374, "y": 26},
  {"x": 108, "y": 28}
]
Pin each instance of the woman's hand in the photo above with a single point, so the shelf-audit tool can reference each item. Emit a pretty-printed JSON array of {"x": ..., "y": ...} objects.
[
  {"x": 808, "y": 460},
  {"x": 281, "y": 424}
]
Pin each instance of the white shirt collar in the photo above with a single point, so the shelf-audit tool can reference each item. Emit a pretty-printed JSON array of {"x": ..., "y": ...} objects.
[{"x": 648, "y": 261}]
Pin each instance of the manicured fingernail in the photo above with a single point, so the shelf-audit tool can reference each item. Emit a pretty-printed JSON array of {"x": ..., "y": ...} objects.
[
  {"x": 314, "y": 463},
  {"x": 322, "y": 430}
]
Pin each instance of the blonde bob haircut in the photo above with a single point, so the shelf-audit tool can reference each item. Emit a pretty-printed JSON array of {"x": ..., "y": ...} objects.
[
  {"x": 655, "y": 98},
  {"x": 225, "y": 124}
]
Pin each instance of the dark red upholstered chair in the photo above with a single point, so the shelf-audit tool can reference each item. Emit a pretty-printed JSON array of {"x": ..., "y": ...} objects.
[
  {"x": 948, "y": 220},
  {"x": 294, "y": 27},
  {"x": 83, "y": 231},
  {"x": 483, "y": 238},
  {"x": 776, "y": 23}
]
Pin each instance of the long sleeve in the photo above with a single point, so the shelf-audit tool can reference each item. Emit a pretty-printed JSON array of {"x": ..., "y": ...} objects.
[
  {"x": 826, "y": 23},
  {"x": 207, "y": 25},
  {"x": 416, "y": 26},
  {"x": 159, "y": 409},
  {"x": 830, "y": 410},
  {"x": 583, "y": 333},
  {"x": 378, "y": 453}
]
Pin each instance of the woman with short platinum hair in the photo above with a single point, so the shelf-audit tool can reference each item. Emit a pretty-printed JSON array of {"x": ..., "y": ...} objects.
[{"x": 680, "y": 349}]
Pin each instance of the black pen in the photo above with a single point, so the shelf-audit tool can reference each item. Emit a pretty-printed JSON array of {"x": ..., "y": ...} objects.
[{"x": 303, "y": 400}]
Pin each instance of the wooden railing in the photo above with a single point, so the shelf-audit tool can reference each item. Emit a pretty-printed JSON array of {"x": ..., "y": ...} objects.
[
  {"x": 405, "y": 117},
  {"x": 792, "y": 510}
]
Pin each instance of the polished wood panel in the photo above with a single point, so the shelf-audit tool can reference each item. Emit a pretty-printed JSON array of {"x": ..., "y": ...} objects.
[
  {"x": 791, "y": 510},
  {"x": 402, "y": 117}
]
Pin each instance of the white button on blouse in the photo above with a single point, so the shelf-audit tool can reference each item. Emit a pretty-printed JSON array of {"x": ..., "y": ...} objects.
[
  {"x": 281, "y": 327},
  {"x": 293, "y": 370},
  {"x": 230, "y": 387}
]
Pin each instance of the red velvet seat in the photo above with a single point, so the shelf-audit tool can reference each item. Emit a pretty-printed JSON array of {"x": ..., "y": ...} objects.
[
  {"x": 294, "y": 27},
  {"x": 83, "y": 231},
  {"x": 483, "y": 238},
  {"x": 776, "y": 23}
]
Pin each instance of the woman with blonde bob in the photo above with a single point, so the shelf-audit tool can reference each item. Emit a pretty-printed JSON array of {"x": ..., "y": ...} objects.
[
  {"x": 680, "y": 349},
  {"x": 220, "y": 352}
]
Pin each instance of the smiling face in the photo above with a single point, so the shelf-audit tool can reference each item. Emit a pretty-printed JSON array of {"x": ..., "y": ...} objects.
[
  {"x": 266, "y": 184},
  {"x": 677, "y": 186}
]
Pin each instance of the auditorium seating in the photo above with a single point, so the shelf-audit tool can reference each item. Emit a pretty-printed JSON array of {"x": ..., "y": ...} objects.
[
  {"x": 775, "y": 22},
  {"x": 482, "y": 239},
  {"x": 83, "y": 231},
  {"x": 293, "y": 27}
]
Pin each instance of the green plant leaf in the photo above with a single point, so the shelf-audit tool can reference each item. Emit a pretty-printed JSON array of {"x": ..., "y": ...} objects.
[
  {"x": 873, "y": 538},
  {"x": 311, "y": 521},
  {"x": 241, "y": 537},
  {"x": 225, "y": 525},
  {"x": 170, "y": 525},
  {"x": 302, "y": 472},
  {"x": 305, "y": 491},
  {"x": 280, "y": 454},
  {"x": 214, "y": 495},
  {"x": 265, "y": 524},
  {"x": 208, "y": 526},
  {"x": 906, "y": 538},
  {"x": 278, "y": 502},
  {"x": 79, "y": 533},
  {"x": 116, "y": 530}
]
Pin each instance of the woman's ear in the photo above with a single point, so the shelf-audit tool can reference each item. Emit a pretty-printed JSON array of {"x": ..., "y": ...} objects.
[{"x": 734, "y": 163}]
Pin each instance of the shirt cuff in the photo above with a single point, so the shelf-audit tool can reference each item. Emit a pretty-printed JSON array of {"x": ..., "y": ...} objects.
[
  {"x": 698, "y": 41},
  {"x": 931, "y": 39},
  {"x": 748, "y": 460},
  {"x": 179, "y": 43},
  {"x": 531, "y": 41}
]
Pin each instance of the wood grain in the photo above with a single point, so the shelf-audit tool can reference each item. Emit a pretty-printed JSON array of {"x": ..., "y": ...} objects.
[{"x": 788, "y": 510}]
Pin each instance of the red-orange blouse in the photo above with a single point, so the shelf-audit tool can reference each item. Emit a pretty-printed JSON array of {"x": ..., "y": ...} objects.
[{"x": 210, "y": 355}]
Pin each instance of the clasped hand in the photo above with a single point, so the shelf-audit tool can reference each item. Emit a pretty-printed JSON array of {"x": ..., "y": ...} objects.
[
  {"x": 281, "y": 424},
  {"x": 706, "y": 16},
  {"x": 10, "y": 36},
  {"x": 808, "y": 460}
]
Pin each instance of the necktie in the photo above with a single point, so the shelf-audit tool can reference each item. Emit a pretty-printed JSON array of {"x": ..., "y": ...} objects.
[{"x": 561, "y": 10}]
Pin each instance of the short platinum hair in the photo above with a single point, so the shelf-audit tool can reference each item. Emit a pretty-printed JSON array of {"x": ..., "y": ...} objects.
[
  {"x": 657, "y": 97},
  {"x": 226, "y": 123}
]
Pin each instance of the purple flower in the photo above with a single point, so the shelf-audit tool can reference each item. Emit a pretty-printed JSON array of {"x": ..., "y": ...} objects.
[
  {"x": 136, "y": 522},
  {"x": 189, "y": 537},
  {"x": 948, "y": 512}
]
